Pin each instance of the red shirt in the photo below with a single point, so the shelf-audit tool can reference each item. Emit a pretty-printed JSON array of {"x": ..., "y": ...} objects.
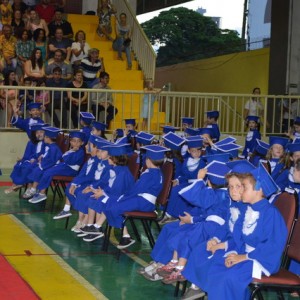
[{"x": 46, "y": 13}]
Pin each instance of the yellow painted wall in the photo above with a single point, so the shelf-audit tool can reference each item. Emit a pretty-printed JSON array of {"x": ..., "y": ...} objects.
[{"x": 233, "y": 73}]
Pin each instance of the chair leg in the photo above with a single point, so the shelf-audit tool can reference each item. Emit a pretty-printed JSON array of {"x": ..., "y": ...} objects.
[
  {"x": 67, "y": 222},
  {"x": 255, "y": 293},
  {"x": 136, "y": 233},
  {"x": 176, "y": 291},
  {"x": 107, "y": 232},
  {"x": 184, "y": 285},
  {"x": 157, "y": 226},
  {"x": 148, "y": 233}
]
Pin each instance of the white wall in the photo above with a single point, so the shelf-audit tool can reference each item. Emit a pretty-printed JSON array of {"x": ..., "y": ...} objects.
[{"x": 89, "y": 5}]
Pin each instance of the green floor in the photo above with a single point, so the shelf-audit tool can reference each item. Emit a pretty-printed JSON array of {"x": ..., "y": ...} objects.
[{"x": 115, "y": 278}]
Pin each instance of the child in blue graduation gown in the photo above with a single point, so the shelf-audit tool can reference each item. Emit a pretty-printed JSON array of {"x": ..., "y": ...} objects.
[
  {"x": 48, "y": 159},
  {"x": 70, "y": 163},
  {"x": 252, "y": 135},
  {"x": 34, "y": 149},
  {"x": 86, "y": 118},
  {"x": 98, "y": 129},
  {"x": 259, "y": 153},
  {"x": 35, "y": 112},
  {"x": 259, "y": 248},
  {"x": 212, "y": 122},
  {"x": 82, "y": 180},
  {"x": 119, "y": 182}
]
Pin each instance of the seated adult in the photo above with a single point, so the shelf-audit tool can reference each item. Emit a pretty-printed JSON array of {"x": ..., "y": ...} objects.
[
  {"x": 45, "y": 10},
  {"x": 80, "y": 48},
  {"x": 103, "y": 101},
  {"x": 34, "y": 67},
  {"x": 34, "y": 22},
  {"x": 105, "y": 11},
  {"x": 59, "y": 22},
  {"x": 58, "y": 98},
  {"x": 59, "y": 42},
  {"x": 91, "y": 66},
  {"x": 19, "y": 5},
  {"x": 17, "y": 23},
  {"x": 40, "y": 41},
  {"x": 58, "y": 61},
  {"x": 58, "y": 4}
]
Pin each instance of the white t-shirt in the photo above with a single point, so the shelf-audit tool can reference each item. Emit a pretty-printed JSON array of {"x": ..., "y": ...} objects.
[
  {"x": 77, "y": 46},
  {"x": 254, "y": 107}
]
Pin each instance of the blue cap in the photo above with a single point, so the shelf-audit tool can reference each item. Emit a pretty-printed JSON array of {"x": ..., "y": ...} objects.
[
  {"x": 262, "y": 147},
  {"x": 264, "y": 181},
  {"x": 222, "y": 157},
  {"x": 227, "y": 140},
  {"x": 144, "y": 138},
  {"x": 101, "y": 143},
  {"x": 216, "y": 172},
  {"x": 130, "y": 122},
  {"x": 253, "y": 118},
  {"x": 187, "y": 120},
  {"x": 87, "y": 117},
  {"x": 116, "y": 149},
  {"x": 92, "y": 139},
  {"x": 212, "y": 114},
  {"x": 296, "y": 140},
  {"x": 132, "y": 133},
  {"x": 173, "y": 141},
  {"x": 120, "y": 132},
  {"x": 192, "y": 131},
  {"x": 168, "y": 128},
  {"x": 37, "y": 126},
  {"x": 194, "y": 142},
  {"x": 206, "y": 130},
  {"x": 230, "y": 148},
  {"x": 278, "y": 140},
  {"x": 77, "y": 134},
  {"x": 155, "y": 152},
  {"x": 99, "y": 125},
  {"x": 33, "y": 105},
  {"x": 240, "y": 166},
  {"x": 293, "y": 147},
  {"x": 297, "y": 120},
  {"x": 51, "y": 132}
]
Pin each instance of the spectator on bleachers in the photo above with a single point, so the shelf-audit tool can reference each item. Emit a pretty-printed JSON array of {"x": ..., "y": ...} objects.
[
  {"x": 58, "y": 98},
  {"x": 17, "y": 24},
  {"x": 59, "y": 42},
  {"x": 59, "y": 22},
  {"x": 105, "y": 11},
  {"x": 77, "y": 99},
  {"x": 91, "y": 66},
  {"x": 19, "y": 5},
  {"x": 45, "y": 10},
  {"x": 24, "y": 50},
  {"x": 34, "y": 22},
  {"x": 40, "y": 41},
  {"x": 58, "y": 4},
  {"x": 42, "y": 96},
  {"x": 26, "y": 96},
  {"x": 103, "y": 101},
  {"x": 80, "y": 48},
  {"x": 123, "y": 39},
  {"x": 58, "y": 61},
  {"x": 6, "y": 12},
  {"x": 34, "y": 66},
  {"x": 30, "y": 3},
  {"x": 8, "y": 49}
]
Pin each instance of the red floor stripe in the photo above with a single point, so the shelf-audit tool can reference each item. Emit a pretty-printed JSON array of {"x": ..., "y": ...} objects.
[
  {"x": 12, "y": 285},
  {"x": 5, "y": 183}
]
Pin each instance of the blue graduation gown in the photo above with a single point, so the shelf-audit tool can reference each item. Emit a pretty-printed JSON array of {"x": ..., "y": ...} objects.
[
  {"x": 279, "y": 173},
  {"x": 250, "y": 142},
  {"x": 141, "y": 197},
  {"x": 25, "y": 124},
  {"x": 87, "y": 131},
  {"x": 264, "y": 236},
  {"x": 216, "y": 132}
]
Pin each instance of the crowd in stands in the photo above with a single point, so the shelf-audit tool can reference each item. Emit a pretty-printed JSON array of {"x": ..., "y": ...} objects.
[{"x": 37, "y": 43}]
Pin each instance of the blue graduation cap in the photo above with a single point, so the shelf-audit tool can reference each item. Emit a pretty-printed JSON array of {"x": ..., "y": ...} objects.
[
  {"x": 130, "y": 122},
  {"x": 33, "y": 105},
  {"x": 262, "y": 147},
  {"x": 293, "y": 147},
  {"x": 253, "y": 118},
  {"x": 120, "y": 132},
  {"x": 216, "y": 172},
  {"x": 116, "y": 149},
  {"x": 77, "y": 134},
  {"x": 155, "y": 152},
  {"x": 99, "y": 125},
  {"x": 51, "y": 132},
  {"x": 173, "y": 141},
  {"x": 92, "y": 139},
  {"x": 168, "y": 128},
  {"x": 240, "y": 166},
  {"x": 101, "y": 143},
  {"x": 231, "y": 148},
  {"x": 227, "y": 140},
  {"x": 222, "y": 157},
  {"x": 206, "y": 130},
  {"x": 192, "y": 131},
  {"x": 194, "y": 142},
  {"x": 264, "y": 181},
  {"x": 296, "y": 140},
  {"x": 37, "y": 126},
  {"x": 144, "y": 138},
  {"x": 297, "y": 121},
  {"x": 132, "y": 133},
  {"x": 278, "y": 140},
  {"x": 87, "y": 117},
  {"x": 212, "y": 114},
  {"x": 187, "y": 120}
]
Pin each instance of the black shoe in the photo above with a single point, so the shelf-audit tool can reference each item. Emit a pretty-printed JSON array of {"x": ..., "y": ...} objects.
[
  {"x": 92, "y": 230},
  {"x": 125, "y": 242},
  {"x": 92, "y": 237}
]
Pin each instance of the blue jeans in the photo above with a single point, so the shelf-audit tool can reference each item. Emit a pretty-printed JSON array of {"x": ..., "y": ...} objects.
[{"x": 118, "y": 46}]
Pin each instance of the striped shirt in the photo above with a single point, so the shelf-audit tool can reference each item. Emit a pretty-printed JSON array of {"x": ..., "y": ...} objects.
[{"x": 89, "y": 69}]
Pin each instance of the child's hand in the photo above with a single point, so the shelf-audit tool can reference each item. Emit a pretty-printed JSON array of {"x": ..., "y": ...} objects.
[
  {"x": 210, "y": 244},
  {"x": 32, "y": 161},
  {"x": 72, "y": 189},
  {"x": 97, "y": 193},
  {"x": 202, "y": 173},
  {"x": 186, "y": 219},
  {"x": 216, "y": 247},
  {"x": 233, "y": 259},
  {"x": 175, "y": 182},
  {"x": 87, "y": 190},
  {"x": 16, "y": 110}
]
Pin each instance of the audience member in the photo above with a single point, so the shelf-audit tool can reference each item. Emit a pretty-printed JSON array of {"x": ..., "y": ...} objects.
[
  {"x": 105, "y": 11},
  {"x": 58, "y": 4},
  {"x": 34, "y": 67},
  {"x": 19, "y": 5},
  {"x": 40, "y": 41},
  {"x": 45, "y": 10},
  {"x": 77, "y": 99},
  {"x": 123, "y": 39},
  {"x": 103, "y": 101},
  {"x": 30, "y": 3},
  {"x": 8, "y": 48},
  {"x": 17, "y": 23},
  {"x": 80, "y": 48},
  {"x": 34, "y": 22},
  {"x": 91, "y": 66},
  {"x": 59, "y": 62},
  {"x": 42, "y": 96},
  {"x": 6, "y": 12},
  {"x": 59, "y": 22},
  {"x": 58, "y": 98},
  {"x": 59, "y": 42},
  {"x": 27, "y": 95}
]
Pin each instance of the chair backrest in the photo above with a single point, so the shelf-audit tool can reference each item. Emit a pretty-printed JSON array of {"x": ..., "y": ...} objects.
[
  {"x": 134, "y": 166},
  {"x": 267, "y": 166},
  {"x": 293, "y": 251},
  {"x": 63, "y": 142},
  {"x": 167, "y": 170}
]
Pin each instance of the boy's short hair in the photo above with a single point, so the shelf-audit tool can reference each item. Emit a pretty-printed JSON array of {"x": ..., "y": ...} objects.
[
  {"x": 57, "y": 69},
  {"x": 157, "y": 163},
  {"x": 121, "y": 160}
]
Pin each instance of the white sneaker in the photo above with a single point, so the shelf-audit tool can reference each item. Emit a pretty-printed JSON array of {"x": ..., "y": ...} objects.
[{"x": 77, "y": 226}]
